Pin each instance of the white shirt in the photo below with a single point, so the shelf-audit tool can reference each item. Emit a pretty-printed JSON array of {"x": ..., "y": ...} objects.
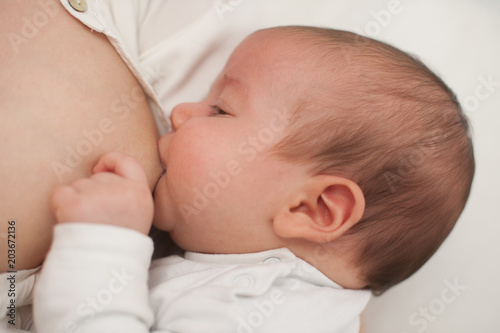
[{"x": 95, "y": 278}]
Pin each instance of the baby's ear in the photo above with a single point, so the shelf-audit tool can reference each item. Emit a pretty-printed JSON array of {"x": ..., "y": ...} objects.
[{"x": 326, "y": 207}]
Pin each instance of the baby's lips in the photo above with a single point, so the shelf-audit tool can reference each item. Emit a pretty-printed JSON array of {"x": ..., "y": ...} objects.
[
  {"x": 163, "y": 164},
  {"x": 164, "y": 169}
]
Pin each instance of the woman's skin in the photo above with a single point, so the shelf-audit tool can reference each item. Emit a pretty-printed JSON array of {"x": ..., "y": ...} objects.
[{"x": 66, "y": 98}]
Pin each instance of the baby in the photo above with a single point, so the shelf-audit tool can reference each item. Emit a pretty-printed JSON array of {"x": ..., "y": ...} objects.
[{"x": 322, "y": 165}]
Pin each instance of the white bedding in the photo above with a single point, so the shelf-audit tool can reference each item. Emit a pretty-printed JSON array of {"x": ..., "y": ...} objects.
[{"x": 183, "y": 44}]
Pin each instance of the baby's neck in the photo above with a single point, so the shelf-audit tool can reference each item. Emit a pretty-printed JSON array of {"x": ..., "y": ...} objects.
[{"x": 331, "y": 261}]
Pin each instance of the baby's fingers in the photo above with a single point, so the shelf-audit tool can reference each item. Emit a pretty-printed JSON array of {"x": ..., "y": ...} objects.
[
  {"x": 121, "y": 164},
  {"x": 62, "y": 195}
]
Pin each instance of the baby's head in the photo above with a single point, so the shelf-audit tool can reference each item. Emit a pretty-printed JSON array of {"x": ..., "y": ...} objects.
[{"x": 345, "y": 150}]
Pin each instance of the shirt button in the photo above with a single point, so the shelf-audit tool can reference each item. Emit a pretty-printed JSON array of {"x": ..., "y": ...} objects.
[
  {"x": 245, "y": 281},
  {"x": 79, "y": 5},
  {"x": 272, "y": 260}
]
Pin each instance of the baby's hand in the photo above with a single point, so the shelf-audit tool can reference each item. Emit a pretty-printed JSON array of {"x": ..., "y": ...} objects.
[{"x": 116, "y": 194}]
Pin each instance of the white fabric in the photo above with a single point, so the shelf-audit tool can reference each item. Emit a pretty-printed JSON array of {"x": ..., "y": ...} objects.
[
  {"x": 96, "y": 276},
  {"x": 180, "y": 45},
  {"x": 92, "y": 274}
]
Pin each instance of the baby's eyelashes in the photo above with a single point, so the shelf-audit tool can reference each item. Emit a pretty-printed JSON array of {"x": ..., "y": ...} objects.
[{"x": 216, "y": 111}]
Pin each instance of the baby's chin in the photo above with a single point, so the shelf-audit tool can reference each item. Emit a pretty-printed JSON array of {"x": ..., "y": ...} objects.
[{"x": 159, "y": 221}]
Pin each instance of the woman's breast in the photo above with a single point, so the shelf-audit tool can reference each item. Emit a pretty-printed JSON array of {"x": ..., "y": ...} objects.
[{"x": 66, "y": 97}]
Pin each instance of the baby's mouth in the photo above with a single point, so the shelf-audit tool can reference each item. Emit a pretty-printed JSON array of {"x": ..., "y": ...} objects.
[{"x": 164, "y": 166}]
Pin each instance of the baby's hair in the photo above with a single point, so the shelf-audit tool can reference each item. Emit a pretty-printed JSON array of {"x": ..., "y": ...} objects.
[{"x": 382, "y": 119}]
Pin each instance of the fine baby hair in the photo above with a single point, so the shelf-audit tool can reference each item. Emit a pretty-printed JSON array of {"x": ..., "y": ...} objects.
[{"x": 381, "y": 118}]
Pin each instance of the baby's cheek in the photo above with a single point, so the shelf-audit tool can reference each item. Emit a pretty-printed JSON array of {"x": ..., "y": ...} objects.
[
  {"x": 186, "y": 176},
  {"x": 205, "y": 153},
  {"x": 204, "y": 162}
]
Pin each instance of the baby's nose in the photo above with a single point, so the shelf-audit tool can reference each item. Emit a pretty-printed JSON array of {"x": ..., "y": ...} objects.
[{"x": 180, "y": 114}]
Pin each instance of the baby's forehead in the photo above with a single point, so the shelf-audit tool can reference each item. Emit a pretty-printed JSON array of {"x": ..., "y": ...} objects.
[
  {"x": 324, "y": 48},
  {"x": 277, "y": 53},
  {"x": 300, "y": 53},
  {"x": 295, "y": 66}
]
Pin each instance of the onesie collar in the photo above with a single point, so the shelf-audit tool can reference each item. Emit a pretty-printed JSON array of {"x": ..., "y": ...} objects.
[
  {"x": 282, "y": 256},
  {"x": 275, "y": 255}
]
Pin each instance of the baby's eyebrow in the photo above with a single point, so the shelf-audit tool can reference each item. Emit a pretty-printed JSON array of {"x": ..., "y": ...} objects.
[{"x": 236, "y": 83}]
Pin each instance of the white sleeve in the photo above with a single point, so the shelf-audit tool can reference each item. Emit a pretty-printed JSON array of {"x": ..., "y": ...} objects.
[{"x": 94, "y": 280}]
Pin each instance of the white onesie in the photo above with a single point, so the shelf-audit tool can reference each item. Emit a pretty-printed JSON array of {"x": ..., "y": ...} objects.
[{"x": 95, "y": 279}]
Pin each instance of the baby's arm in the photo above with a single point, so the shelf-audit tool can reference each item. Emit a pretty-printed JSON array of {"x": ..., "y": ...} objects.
[{"x": 95, "y": 276}]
